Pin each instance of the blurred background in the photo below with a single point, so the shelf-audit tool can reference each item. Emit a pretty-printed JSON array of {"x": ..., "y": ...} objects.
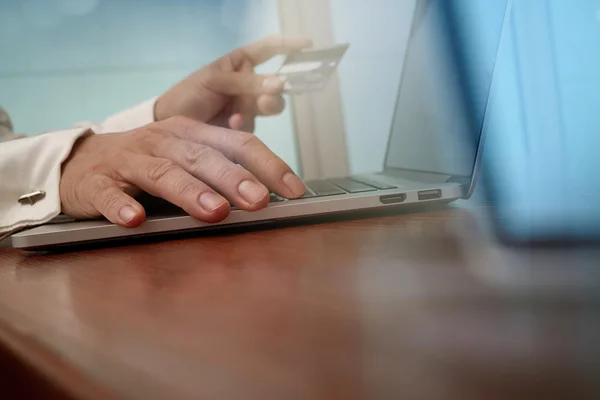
[{"x": 65, "y": 61}]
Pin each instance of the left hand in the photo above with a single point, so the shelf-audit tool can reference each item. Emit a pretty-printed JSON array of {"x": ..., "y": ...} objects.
[{"x": 227, "y": 92}]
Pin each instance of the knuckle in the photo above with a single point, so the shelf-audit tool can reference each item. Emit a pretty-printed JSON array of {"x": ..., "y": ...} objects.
[
  {"x": 107, "y": 196},
  {"x": 160, "y": 170},
  {"x": 224, "y": 173},
  {"x": 194, "y": 154},
  {"x": 99, "y": 186},
  {"x": 111, "y": 202},
  {"x": 206, "y": 159},
  {"x": 185, "y": 189},
  {"x": 247, "y": 140}
]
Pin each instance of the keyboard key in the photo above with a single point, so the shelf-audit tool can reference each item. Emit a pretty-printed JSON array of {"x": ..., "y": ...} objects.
[
  {"x": 352, "y": 186},
  {"x": 308, "y": 194},
  {"x": 324, "y": 188},
  {"x": 275, "y": 199},
  {"x": 378, "y": 185}
]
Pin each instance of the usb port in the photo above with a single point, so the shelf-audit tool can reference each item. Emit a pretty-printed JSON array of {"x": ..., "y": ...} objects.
[
  {"x": 430, "y": 194},
  {"x": 393, "y": 198}
]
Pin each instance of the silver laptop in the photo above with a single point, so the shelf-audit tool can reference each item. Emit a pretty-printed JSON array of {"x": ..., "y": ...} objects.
[{"x": 431, "y": 157}]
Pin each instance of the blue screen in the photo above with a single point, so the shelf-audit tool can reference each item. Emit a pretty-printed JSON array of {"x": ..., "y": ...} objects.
[{"x": 542, "y": 123}]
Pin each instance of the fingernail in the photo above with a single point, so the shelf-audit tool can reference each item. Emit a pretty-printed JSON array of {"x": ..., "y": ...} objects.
[
  {"x": 294, "y": 184},
  {"x": 252, "y": 192},
  {"x": 127, "y": 214},
  {"x": 211, "y": 201},
  {"x": 273, "y": 83}
]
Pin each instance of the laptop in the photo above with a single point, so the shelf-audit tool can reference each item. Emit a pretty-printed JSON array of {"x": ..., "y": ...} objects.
[{"x": 431, "y": 157}]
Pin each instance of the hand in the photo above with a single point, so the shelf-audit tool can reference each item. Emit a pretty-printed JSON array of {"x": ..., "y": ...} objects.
[
  {"x": 188, "y": 163},
  {"x": 228, "y": 93}
]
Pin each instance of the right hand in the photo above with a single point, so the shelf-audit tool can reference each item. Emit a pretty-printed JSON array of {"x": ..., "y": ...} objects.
[{"x": 188, "y": 163}]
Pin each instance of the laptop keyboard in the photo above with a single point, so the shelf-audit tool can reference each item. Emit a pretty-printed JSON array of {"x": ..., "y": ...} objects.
[
  {"x": 352, "y": 186},
  {"x": 315, "y": 189},
  {"x": 323, "y": 188},
  {"x": 338, "y": 186},
  {"x": 156, "y": 207}
]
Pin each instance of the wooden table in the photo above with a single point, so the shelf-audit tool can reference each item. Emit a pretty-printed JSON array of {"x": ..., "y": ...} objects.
[{"x": 419, "y": 306}]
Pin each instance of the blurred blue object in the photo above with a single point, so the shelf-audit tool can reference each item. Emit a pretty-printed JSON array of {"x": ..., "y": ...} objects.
[{"x": 543, "y": 116}]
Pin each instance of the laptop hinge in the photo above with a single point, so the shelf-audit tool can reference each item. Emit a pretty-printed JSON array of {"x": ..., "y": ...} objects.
[
  {"x": 418, "y": 176},
  {"x": 463, "y": 180}
]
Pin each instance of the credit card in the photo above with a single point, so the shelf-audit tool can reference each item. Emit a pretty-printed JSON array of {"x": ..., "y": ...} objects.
[{"x": 310, "y": 70}]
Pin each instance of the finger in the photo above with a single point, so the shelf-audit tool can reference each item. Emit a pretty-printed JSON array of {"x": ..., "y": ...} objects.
[
  {"x": 223, "y": 118},
  {"x": 239, "y": 122},
  {"x": 117, "y": 206},
  {"x": 267, "y": 48},
  {"x": 211, "y": 167},
  {"x": 242, "y": 83},
  {"x": 236, "y": 122},
  {"x": 245, "y": 149},
  {"x": 163, "y": 178},
  {"x": 245, "y": 117},
  {"x": 245, "y": 106},
  {"x": 267, "y": 105}
]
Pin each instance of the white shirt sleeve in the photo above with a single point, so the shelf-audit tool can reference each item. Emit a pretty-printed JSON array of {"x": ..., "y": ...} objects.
[{"x": 34, "y": 164}]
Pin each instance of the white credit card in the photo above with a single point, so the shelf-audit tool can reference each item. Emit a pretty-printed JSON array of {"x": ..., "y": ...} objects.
[{"x": 310, "y": 70}]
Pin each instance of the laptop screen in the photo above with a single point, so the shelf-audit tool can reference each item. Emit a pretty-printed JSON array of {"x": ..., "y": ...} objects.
[{"x": 430, "y": 130}]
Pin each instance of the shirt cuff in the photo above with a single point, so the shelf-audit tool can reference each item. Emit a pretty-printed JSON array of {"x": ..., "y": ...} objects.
[
  {"x": 135, "y": 117},
  {"x": 30, "y": 165}
]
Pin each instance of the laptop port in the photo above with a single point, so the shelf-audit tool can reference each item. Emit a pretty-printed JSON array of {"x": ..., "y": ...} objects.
[
  {"x": 430, "y": 194},
  {"x": 393, "y": 198}
]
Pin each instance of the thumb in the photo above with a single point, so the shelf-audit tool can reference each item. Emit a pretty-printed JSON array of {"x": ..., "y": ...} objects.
[{"x": 117, "y": 206}]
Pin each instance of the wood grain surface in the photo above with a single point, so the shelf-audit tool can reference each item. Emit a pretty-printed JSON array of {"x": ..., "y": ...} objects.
[{"x": 418, "y": 306}]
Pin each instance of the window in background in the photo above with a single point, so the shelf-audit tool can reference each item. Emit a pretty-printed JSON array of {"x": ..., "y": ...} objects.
[
  {"x": 370, "y": 73},
  {"x": 63, "y": 61}
]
